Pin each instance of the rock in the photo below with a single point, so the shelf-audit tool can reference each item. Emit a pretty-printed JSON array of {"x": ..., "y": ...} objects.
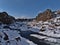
[
  {"x": 6, "y": 19},
  {"x": 6, "y": 36},
  {"x": 58, "y": 12},
  {"x": 43, "y": 28},
  {"x": 6, "y": 27},
  {"x": 46, "y": 15},
  {"x": 18, "y": 38}
]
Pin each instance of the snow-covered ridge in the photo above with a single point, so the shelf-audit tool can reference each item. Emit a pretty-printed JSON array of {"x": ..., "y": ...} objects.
[{"x": 50, "y": 30}]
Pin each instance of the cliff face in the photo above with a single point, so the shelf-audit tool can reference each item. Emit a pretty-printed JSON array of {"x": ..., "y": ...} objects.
[{"x": 46, "y": 15}]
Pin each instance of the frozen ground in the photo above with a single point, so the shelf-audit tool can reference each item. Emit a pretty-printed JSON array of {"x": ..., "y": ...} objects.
[{"x": 31, "y": 33}]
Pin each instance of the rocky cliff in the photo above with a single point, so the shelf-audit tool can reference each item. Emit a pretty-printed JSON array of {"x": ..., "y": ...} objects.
[{"x": 46, "y": 15}]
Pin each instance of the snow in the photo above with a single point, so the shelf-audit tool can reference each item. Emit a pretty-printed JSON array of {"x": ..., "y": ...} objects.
[
  {"x": 26, "y": 40},
  {"x": 13, "y": 34},
  {"x": 38, "y": 36},
  {"x": 50, "y": 34},
  {"x": 52, "y": 31}
]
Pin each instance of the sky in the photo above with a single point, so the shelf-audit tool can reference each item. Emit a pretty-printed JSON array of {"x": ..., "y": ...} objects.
[{"x": 27, "y": 8}]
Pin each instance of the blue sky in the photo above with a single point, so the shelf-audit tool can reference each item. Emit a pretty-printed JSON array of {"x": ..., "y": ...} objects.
[{"x": 27, "y": 8}]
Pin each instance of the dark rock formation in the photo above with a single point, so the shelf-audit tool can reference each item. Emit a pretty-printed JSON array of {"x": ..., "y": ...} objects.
[
  {"x": 6, "y": 36},
  {"x": 5, "y": 18},
  {"x": 6, "y": 27},
  {"x": 18, "y": 38}
]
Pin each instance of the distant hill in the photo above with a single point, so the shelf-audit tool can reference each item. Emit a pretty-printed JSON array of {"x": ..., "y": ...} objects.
[{"x": 22, "y": 20}]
